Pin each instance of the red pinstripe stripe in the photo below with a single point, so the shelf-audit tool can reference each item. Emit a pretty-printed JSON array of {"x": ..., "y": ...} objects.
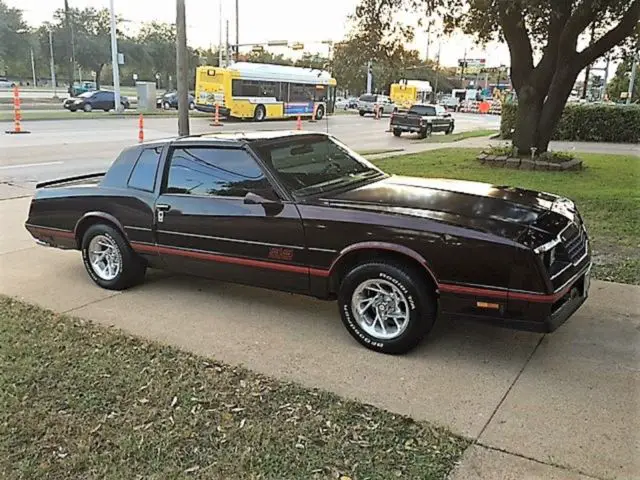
[
  {"x": 503, "y": 294},
  {"x": 213, "y": 257}
]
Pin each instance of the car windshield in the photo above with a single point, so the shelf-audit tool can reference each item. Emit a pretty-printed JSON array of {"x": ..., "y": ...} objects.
[
  {"x": 86, "y": 94},
  {"x": 422, "y": 110},
  {"x": 368, "y": 98},
  {"x": 313, "y": 164}
]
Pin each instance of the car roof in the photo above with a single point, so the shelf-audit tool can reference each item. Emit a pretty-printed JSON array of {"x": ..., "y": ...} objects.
[{"x": 237, "y": 138}]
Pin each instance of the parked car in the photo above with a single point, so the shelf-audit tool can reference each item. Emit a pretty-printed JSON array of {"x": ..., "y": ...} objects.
[
  {"x": 96, "y": 100},
  {"x": 170, "y": 100},
  {"x": 5, "y": 83},
  {"x": 301, "y": 212},
  {"x": 369, "y": 103},
  {"x": 422, "y": 119}
]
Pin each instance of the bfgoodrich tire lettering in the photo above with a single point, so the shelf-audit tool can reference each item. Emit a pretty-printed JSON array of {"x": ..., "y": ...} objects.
[
  {"x": 420, "y": 305},
  {"x": 132, "y": 269}
]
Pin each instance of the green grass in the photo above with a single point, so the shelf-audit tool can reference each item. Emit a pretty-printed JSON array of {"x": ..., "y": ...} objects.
[
  {"x": 80, "y": 401},
  {"x": 607, "y": 194},
  {"x": 379, "y": 151},
  {"x": 456, "y": 137}
]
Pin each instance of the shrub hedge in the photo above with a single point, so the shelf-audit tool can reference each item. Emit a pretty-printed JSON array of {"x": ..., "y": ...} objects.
[{"x": 585, "y": 122}]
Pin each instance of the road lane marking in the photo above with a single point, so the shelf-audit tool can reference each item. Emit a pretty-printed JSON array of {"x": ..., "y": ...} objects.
[{"x": 29, "y": 165}]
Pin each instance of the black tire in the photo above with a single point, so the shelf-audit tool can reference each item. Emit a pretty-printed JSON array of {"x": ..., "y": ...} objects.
[
  {"x": 449, "y": 130},
  {"x": 87, "y": 107},
  {"x": 260, "y": 113},
  {"x": 426, "y": 132},
  {"x": 361, "y": 112},
  {"x": 192, "y": 106},
  {"x": 106, "y": 110},
  {"x": 420, "y": 300},
  {"x": 319, "y": 112},
  {"x": 397, "y": 132},
  {"x": 133, "y": 268}
]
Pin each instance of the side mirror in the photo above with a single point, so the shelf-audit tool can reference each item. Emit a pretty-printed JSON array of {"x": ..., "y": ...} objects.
[{"x": 254, "y": 199}]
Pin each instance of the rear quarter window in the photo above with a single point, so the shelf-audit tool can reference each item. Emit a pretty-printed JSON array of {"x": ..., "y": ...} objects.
[
  {"x": 143, "y": 175},
  {"x": 120, "y": 170}
]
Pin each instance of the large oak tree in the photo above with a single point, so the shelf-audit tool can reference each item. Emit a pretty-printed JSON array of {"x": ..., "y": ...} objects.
[{"x": 543, "y": 38}]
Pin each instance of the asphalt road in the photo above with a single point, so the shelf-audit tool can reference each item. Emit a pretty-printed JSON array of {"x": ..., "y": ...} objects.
[{"x": 56, "y": 149}]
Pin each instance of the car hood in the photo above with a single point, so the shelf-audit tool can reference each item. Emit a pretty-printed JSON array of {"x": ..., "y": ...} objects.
[{"x": 500, "y": 210}]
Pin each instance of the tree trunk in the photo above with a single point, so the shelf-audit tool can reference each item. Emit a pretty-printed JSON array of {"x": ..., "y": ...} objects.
[
  {"x": 98, "y": 73},
  {"x": 530, "y": 103},
  {"x": 559, "y": 92}
]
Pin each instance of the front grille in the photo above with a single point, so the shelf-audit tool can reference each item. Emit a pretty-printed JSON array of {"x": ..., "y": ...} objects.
[{"x": 574, "y": 240}]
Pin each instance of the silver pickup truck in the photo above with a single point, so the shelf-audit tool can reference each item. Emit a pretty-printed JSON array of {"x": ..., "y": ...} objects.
[{"x": 369, "y": 102}]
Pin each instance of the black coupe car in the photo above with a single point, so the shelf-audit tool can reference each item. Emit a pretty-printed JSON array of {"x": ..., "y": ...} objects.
[{"x": 303, "y": 213}]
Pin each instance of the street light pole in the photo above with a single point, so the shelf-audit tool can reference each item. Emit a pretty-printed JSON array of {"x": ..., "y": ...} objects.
[
  {"x": 220, "y": 36},
  {"x": 33, "y": 67},
  {"x": 114, "y": 60},
  {"x": 53, "y": 65}
]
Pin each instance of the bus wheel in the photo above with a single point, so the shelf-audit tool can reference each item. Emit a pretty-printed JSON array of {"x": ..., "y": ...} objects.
[
  {"x": 259, "y": 114},
  {"x": 319, "y": 112}
]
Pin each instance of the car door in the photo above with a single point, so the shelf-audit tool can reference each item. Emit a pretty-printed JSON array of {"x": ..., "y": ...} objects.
[{"x": 218, "y": 215}]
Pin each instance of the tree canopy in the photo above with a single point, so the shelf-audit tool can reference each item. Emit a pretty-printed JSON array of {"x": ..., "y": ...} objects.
[{"x": 543, "y": 38}]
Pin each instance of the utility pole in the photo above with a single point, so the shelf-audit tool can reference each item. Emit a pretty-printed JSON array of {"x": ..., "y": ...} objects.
[
  {"x": 70, "y": 64},
  {"x": 226, "y": 50},
  {"x": 181, "y": 61},
  {"x": 114, "y": 61},
  {"x": 428, "y": 39},
  {"x": 237, "y": 30},
  {"x": 435, "y": 87},
  {"x": 369, "y": 77},
  {"x": 464, "y": 64},
  {"x": 220, "y": 34},
  {"x": 53, "y": 64},
  {"x": 632, "y": 78}
]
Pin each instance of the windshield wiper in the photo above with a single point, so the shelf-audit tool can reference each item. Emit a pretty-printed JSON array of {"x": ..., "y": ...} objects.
[{"x": 340, "y": 181}]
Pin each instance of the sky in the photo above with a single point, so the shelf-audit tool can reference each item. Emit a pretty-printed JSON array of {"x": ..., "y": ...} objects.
[{"x": 263, "y": 20}]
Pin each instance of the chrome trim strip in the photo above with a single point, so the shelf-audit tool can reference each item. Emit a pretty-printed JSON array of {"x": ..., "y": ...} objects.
[
  {"x": 574, "y": 278},
  {"x": 545, "y": 247},
  {"x": 325, "y": 250},
  {"x": 225, "y": 239},
  {"x": 141, "y": 229},
  {"x": 561, "y": 271}
]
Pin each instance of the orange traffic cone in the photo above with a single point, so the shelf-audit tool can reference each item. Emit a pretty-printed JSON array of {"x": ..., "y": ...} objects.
[
  {"x": 17, "y": 116},
  {"x": 140, "y": 129},
  {"x": 299, "y": 123},
  {"x": 216, "y": 118}
]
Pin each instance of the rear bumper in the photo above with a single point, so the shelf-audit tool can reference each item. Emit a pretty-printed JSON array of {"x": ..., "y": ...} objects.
[
  {"x": 407, "y": 128},
  {"x": 224, "y": 111}
]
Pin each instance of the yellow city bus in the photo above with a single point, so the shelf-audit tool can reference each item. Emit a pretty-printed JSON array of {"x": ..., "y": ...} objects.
[
  {"x": 407, "y": 92},
  {"x": 259, "y": 91}
]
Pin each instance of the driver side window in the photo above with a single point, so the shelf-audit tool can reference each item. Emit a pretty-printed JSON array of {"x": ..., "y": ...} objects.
[{"x": 215, "y": 172}]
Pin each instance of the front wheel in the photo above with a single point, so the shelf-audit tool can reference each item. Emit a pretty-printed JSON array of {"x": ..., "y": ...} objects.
[
  {"x": 397, "y": 132},
  {"x": 319, "y": 112},
  {"x": 387, "y": 307},
  {"x": 361, "y": 112},
  {"x": 109, "y": 260},
  {"x": 449, "y": 130},
  {"x": 87, "y": 107}
]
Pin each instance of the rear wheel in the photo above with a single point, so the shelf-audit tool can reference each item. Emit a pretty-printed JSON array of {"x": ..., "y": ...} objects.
[
  {"x": 387, "y": 307},
  {"x": 87, "y": 107},
  {"x": 319, "y": 112},
  {"x": 260, "y": 113},
  {"x": 397, "y": 132},
  {"x": 426, "y": 131},
  {"x": 361, "y": 112},
  {"x": 109, "y": 260}
]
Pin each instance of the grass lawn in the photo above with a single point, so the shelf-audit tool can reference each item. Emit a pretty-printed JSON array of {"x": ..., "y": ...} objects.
[
  {"x": 456, "y": 137},
  {"x": 81, "y": 401},
  {"x": 607, "y": 194}
]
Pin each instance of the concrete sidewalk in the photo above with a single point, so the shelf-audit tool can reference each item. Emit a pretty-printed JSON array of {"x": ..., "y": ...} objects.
[{"x": 560, "y": 406}]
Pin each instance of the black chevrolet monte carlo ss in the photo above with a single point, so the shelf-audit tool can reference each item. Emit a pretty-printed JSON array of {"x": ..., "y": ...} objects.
[{"x": 303, "y": 213}]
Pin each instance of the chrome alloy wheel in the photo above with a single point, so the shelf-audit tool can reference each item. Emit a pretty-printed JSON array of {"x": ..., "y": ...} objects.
[
  {"x": 380, "y": 308},
  {"x": 105, "y": 257}
]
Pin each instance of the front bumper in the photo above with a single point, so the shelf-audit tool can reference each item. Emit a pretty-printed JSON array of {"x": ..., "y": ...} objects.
[{"x": 223, "y": 111}]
